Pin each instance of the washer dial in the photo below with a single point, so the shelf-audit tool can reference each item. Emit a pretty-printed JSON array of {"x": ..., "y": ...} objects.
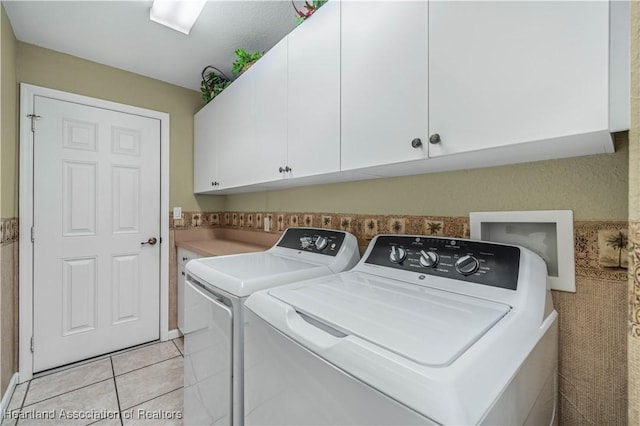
[
  {"x": 467, "y": 265},
  {"x": 428, "y": 259}
]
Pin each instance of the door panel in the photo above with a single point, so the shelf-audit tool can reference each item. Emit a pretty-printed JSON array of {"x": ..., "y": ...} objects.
[
  {"x": 79, "y": 282},
  {"x": 96, "y": 199}
]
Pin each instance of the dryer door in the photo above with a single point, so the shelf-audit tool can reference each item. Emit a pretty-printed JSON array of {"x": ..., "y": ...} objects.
[{"x": 208, "y": 360}]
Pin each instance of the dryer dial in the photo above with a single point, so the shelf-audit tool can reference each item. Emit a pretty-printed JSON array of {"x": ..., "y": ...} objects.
[
  {"x": 321, "y": 242},
  {"x": 397, "y": 255}
]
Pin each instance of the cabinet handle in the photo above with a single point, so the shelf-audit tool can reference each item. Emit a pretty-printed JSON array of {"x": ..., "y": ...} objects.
[
  {"x": 215, "y": 183},
  {"x": 434, "y": 138},
  {"x": 288, "y": 169},
  {"x": 281, "y": 170},
  {"x": 416, "y": 143},
  {"x": 182, "y": 274},
  {"x": 184, "y": 259}
]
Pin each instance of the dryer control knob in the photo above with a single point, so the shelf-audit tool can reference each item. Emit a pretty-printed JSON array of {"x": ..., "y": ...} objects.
[
  {"x": 428, "y": 259},
  {"x": 467, "y": 265},
  {"x": 397, "y": 255},
  {"x": 321, "y": 243}
]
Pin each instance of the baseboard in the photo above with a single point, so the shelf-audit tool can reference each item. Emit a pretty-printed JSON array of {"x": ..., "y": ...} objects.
[
  {"x": 173, "y": 334},
  {"x": 8, "y": 393}
]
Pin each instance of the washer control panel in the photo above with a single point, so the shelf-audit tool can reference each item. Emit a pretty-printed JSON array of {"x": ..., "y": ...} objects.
[
  {"x": 472, "y": 261},
  {"x": 320, "y": 241}
]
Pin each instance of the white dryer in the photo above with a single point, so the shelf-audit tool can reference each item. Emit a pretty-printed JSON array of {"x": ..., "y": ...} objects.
[
  {"x": 423, "y": 330},
  {"x": 215, "y": 291}
]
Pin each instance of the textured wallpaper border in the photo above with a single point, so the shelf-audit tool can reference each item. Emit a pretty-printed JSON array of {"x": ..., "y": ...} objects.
[
  {"x": 601, "y": 247},
  {"x": 634, "y": 280},
  {"x": 9, "y": 230}
]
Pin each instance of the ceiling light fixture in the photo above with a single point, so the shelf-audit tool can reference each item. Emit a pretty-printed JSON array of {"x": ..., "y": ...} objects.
[{"x": 179, "y": 15}]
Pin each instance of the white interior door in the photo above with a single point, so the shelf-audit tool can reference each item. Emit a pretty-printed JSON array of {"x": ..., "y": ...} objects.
[{"x": 96, "y": 287}]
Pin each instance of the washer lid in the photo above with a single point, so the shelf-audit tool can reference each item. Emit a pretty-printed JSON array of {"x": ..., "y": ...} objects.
[
  {"x": 428, "y": 326},
  {"x": 246, "y": 273}
]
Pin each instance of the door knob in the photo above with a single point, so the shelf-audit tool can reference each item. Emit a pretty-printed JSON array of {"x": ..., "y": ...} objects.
[{"x": 151, "y": 241}]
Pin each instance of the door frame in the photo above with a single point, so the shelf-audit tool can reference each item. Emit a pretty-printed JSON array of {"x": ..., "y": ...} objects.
[{"x": 25, "y": 325}]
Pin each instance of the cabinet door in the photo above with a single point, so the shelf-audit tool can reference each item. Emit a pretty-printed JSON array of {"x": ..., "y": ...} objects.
[
  {"x": 384, "y": 82},
  {"x": 204, "y": 167},
  {"x": 235, "y": 132},
  {"x": 268, "y": 147},
  {"x": 314, "y": 94},
  {"x": 502, "y": 73}
]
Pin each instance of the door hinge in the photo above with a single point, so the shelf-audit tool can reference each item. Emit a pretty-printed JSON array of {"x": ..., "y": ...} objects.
[
  {"x": 33, "y": 234},
  {"x": 33, "y": 118},
  {"x": 32, "y": 344}
]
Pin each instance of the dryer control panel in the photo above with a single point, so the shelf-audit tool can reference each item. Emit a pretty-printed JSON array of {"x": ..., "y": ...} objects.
[
  {"x": 471, "y": 261},
  {"x": 320, "y": 241}
]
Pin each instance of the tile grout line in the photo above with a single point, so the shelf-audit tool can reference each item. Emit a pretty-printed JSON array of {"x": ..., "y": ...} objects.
[
  {"x": 24, "y": 398},
  {"x": 155, "y": 397},
  {"x": 149, "y": 365},
  {"x": 176, "y": 345},
  {"x": 63, "y": 393},
  {"x": 115, "y": 385}
]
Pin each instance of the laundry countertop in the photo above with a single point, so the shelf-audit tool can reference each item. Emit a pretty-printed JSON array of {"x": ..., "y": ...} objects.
[{"x": 221, "y": 242}]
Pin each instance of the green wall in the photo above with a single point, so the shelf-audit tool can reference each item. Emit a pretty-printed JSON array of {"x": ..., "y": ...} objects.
[
  {"x": 594, "y": 187},
  {"x": 48, "y": 68}
]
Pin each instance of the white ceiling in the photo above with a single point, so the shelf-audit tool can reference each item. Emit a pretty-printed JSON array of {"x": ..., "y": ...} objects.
[{"x": 120, "y": 34}]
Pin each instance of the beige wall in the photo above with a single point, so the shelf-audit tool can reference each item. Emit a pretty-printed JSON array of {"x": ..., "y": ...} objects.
[
  {"x": 633, "y": 342},
  {"x": 48, "y": 68},
  {"x": 594, "y": 187},
  {"x": 8, "y": 204},
  {"x": 8, "y": 149}
]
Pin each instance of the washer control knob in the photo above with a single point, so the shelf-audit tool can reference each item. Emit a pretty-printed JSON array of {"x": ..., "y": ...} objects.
[
  {"x": 467, "y": 265},
  {"x": 321, "y": 243},
  {"x": 398, "y": 254},
  {"x": 428, "y": 259},
  {"x": 305, "y": 242}
]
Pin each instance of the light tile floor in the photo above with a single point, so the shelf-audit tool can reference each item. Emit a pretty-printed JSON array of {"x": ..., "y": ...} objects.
[{"x": 141, "y": 386}]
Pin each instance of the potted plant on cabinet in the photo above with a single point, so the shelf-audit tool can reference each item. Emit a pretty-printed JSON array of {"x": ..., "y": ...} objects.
[
  {"x": 310, "y": 9},
  {"x": 244, "y": 60},
  {"x": 213, "y": 83}
]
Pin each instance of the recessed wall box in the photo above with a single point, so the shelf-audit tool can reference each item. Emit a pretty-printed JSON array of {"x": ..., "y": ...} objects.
[{"x": 549, "y": 233}]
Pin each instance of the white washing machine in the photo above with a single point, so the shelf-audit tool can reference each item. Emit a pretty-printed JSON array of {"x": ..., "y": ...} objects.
[
  {"x": 215, "y": 291},
  {"x": 423, "y": 330}
]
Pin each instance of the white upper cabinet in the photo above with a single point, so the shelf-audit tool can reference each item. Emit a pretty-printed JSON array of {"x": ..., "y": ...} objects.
[
  {"x": 268, "y": 146},
  {"x": 504, "y": 73},
  {"x": 384, "y": 82},
  {"x": 234, "y": 132},
  {"x": 204, "y": 154},
  {"x": 390, "y": 88},
  {"x": 314, "y": 94}
]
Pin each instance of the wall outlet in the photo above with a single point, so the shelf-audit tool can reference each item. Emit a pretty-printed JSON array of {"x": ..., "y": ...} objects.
[
  {"x": 266, "y": 223},
  {"x": 177, "y": 212}
]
